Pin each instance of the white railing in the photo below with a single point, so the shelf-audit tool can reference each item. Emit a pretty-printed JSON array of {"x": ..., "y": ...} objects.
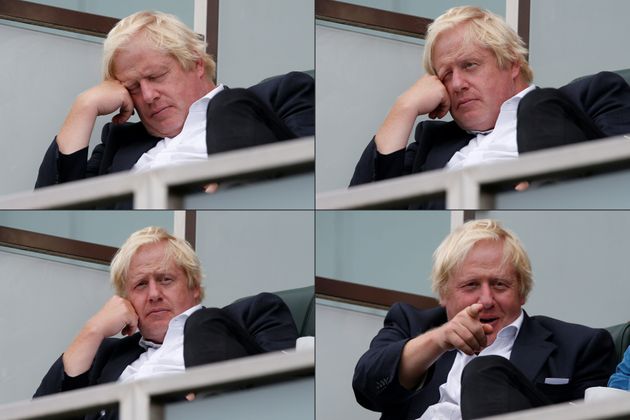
[
  {"x": 613, "y": 408},
  {"x": 140, "y": 400},
  {"x": 464, "y": 188},
  {"x": 158, "y": 189}
]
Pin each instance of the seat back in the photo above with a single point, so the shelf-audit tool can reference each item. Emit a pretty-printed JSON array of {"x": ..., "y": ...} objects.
[
  {"x": 301, "y": 303},
  {"x": 621, "y": 337}
]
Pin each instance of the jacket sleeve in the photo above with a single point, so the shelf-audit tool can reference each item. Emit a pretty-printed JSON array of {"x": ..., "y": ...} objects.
[
  {"x": 595, "y": 364},
  {"x": 376, "y": 384},
  {"x": 56, "y": 380},
  {"x": 237, "y": 118},
  {"x": 267, "y": 319},
  {"x": 57, "y": 168}
]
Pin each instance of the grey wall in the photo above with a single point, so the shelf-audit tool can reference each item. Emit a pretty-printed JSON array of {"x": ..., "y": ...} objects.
[
  {"x": 386, "y": 249},
  {"x": 572, "y": 38},
  {"x": 41, "y": 76},
  {"x": 259, "y": 39},
  {"x": 110, "y": 228},
  {"x": 243, "y": 253},
  {"x": 429, "y": 9},
  {"x": 43, "y": 305},
  {"x": 359, "y": 76}
]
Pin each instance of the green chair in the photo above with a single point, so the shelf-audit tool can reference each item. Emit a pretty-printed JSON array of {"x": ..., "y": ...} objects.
[
  {"x": 621, "y": 337},
  {"x": 301, "y": 302}
]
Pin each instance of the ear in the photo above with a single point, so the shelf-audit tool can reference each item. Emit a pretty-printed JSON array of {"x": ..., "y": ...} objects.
[
  {"x": 515, "y": 70},
  {"x": 200, "y": 68}
]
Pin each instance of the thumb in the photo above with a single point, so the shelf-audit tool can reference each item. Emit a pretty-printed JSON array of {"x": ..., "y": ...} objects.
[{"x": 487, "y": 329}]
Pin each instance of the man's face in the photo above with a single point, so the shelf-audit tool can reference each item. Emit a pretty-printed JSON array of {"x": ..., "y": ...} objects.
[
  {"x": 477, "y": 87},
  {"x": 481, "y": 278},
  {"x": 158, "y": 290},
  {"x": 161, "y": 90}
]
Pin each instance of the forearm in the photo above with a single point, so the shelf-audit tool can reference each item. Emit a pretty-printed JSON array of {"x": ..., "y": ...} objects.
[
  {"x": 418, "y": 355},
  {"x": 393, "y": 134},
  {"x": 77, "y": 128},
  {"x": 78, "y": 357}
]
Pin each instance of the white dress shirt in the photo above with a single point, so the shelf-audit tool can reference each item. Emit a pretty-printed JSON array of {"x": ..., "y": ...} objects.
[
  {"x": 495, "y": 145},
  {"x": 188, "y": 146},
  {"x": 448, "y": 406},
  {"x": 161, "y": 359}
]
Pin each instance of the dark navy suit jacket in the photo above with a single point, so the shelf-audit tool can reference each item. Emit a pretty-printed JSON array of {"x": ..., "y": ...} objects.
[{"x": 544, "y": 348}]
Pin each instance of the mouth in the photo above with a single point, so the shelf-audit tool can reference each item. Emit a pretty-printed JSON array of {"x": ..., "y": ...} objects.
[
  {"x": 464, "y": 102},
  {"x": 488, "y": 320},
  {"x": 157, "y": 312},
  {"x": 160, "y": 111}
]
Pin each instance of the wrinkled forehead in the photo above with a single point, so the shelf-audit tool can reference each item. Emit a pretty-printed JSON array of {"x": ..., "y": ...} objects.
[{"x": 450, "y": 49}]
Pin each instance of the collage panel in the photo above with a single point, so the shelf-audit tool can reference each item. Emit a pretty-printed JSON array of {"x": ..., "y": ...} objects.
[
  {"x": 196, "y": 104},
  {"x": 225, "y": 295},
  {"x": 431, "y": 117},
  {"x": 428, "y": 276}
]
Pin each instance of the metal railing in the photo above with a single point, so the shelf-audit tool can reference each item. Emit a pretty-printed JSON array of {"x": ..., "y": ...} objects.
[
  {"x": 144, "y": 399},
  {"x": 163, "y": 188},
  {"x": 467, "y": 188},
  {"x": 612, "y": 408}
]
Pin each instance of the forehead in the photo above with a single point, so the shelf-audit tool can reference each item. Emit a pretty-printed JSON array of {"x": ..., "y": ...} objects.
[
  {"x": 151, "y": 257},
  {"x": 139, "y": 58},
  {"x": 455, "y": 44},
  {"x": 486, "y": 257}
]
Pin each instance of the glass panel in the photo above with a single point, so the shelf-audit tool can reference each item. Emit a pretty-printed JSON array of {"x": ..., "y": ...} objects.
[
  {"x": 581, "y": 254},
  {"x": 247, "y": 252},
  {"x": 284, "y": 400},
  {"x": 110, "y": 228},
  {"x": 184, "y": 9},
  {"x": 291, "y": 192},
  {"x": 386, "y": 249},
  {"x": 603, "y": 191},
  {"x": 428, "y": 9},
  {"x": 343, "y": 335}
]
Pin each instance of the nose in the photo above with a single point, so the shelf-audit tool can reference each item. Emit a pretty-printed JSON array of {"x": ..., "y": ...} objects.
[
  {"x": 486, "y": 297},
  {"x": 458, "y": 81},
  {"x": 155, "y": 295},
  {"x": 149, "y": 92}
]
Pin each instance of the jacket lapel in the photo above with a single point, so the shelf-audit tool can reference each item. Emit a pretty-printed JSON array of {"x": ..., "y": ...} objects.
[
  {"x": 122, "y": 357},
  {"x": 532, "y": 348}
]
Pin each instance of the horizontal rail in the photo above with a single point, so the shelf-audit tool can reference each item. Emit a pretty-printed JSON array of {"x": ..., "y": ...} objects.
[
  {"x": 464, "y": 188},
  {"x": 614, "y": 407},
  {"x": 136, "y": 398},
  {"x": 153, "y": 189}
]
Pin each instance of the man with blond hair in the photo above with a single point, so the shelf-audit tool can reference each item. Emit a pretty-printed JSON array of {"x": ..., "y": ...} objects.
[
  {"x": 156, "y": 66},
  {"x": 479, "y": 353},
  {"x": 157, "y": 306},
  {"x": 477, "y": 69}
]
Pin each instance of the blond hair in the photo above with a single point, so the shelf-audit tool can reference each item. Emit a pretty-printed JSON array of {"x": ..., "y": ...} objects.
[
  {"x": 485, "y": 29},
  {"x": 166, "y": 33},
  {"x": 176, "y": 249},
  {"x": 453, "y": 250}
]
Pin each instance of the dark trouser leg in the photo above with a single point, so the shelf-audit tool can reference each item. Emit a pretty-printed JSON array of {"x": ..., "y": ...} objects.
[
  {"x": 492, "y": 385},
  {"x": 210, "y": 335},
  {"x": 547, "y": 118}
]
